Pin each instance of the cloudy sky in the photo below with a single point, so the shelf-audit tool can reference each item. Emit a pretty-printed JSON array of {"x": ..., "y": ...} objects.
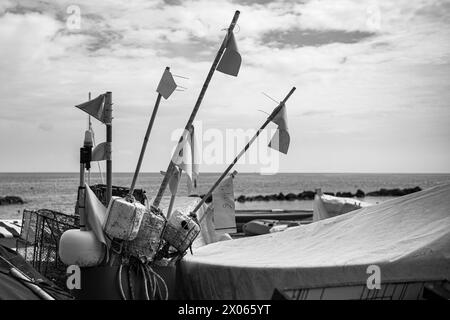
[{"x": 372, "y": 79}]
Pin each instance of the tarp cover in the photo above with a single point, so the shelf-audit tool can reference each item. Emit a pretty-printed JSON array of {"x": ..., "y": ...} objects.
[{"x": 407, "y": 237}]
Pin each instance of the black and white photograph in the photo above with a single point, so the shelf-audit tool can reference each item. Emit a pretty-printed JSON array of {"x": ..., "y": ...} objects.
[{"x": 225, "y": 155}]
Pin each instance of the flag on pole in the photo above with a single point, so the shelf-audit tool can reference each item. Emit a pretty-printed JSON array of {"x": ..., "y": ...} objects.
[
  {"x": 174, "y": 180},
  {"x": 230, "y": 62},
  {"x": 281, "y": 139},
  {"x": 166, "y": 85},
  {"x": 224, "y": 209},
  {"x": 99, "y": 153},
  {"x": 185, "y": 157},
  {"x": 95, "y": 107}
]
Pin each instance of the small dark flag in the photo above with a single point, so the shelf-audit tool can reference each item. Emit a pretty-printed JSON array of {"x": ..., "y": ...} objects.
[
  {"x": 95, "y": 107},
  {"x": 230, "y": 62},
  {"x": 166, "y": 85}
]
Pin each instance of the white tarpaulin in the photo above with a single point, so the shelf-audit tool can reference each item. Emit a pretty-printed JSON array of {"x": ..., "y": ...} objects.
[{"x": 407, "y": 237}]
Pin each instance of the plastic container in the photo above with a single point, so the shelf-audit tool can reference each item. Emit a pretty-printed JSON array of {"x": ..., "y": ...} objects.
[
  {"x": 148, "y": 240},
  {"x": 124, "y": 218},
  {"x": 181, "y": 230}
]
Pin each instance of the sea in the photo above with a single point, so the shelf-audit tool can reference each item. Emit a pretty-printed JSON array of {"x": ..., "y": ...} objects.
[{"x": 58, "y": 191}]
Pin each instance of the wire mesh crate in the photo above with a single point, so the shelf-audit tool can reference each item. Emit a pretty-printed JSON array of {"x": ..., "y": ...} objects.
[
  {"x": 100, "y": 192},
  {"x": 39, "y": 241}
]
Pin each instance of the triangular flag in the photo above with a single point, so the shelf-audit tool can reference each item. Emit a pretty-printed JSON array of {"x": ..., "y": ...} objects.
[
  {"x": 99, "y": 153},
  {"x": 230, "y": 62},
  {"x": 95, "y": 107},
  {"x": 174, "y": 181},
  {"x": 95, "y": 213},
  {"x": 281, "y": 139},
  {"x": 224, "y": 208},
  {"x": 166, "y": 85},
  {"x": 185, "y": 157}
]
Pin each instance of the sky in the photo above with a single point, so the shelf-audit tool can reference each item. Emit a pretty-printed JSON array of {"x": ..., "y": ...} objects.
[{"x": 372, "y": 80}]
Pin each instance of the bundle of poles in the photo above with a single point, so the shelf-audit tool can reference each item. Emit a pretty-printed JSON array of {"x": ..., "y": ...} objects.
[{"x": 171, "y": 167}]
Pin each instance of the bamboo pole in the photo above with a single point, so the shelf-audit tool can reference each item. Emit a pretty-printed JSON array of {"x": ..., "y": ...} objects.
[
  {"x": 171, "y": 166},
  {"x": 108, "y": 115},
  {"x": 90, "y": 129},
  {"x": 144, "y": 143},
  {"x": 224, "y": 174}
]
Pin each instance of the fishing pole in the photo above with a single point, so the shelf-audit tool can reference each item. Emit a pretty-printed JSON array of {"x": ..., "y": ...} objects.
[
  {"x": 108, "y": 122},
  {"x": 144, "y": 143},
  {"x": 171, "y": 166},
  {"x": 224, "y": 174}
]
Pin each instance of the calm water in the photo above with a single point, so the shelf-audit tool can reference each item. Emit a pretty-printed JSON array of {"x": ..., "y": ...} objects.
[{"x": 58, "y": 191}]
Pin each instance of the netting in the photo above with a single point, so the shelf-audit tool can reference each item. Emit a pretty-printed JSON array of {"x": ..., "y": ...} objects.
[{"x": 39, "y": 241}]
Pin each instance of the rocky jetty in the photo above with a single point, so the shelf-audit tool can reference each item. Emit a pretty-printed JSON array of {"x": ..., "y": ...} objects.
[
  {"x": 11, "y": 200},
  {"x": 309, "y": 195}
]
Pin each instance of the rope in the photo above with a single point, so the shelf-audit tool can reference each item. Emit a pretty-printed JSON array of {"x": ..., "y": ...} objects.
[
  {"x": 154, "y": 285},
  {"x": 119, "y": 280}
]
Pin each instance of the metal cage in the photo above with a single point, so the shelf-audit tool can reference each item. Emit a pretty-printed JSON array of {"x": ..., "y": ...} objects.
[{"x": 39, "y": 241}]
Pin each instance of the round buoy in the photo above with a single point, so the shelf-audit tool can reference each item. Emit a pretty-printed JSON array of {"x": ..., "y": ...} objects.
[{"x": 81, "y": 248}]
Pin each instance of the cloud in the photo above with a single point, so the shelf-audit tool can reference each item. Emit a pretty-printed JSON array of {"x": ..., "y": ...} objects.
[
  {"x": 303, "y": 38},
  {"x": 357, "y": 65}
]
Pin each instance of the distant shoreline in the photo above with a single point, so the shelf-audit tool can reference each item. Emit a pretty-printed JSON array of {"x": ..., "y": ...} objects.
[{"x": 258, "y": 173}]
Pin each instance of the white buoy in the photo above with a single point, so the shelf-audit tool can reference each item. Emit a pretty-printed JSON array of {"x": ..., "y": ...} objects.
[{"x": 81, "y": 248}]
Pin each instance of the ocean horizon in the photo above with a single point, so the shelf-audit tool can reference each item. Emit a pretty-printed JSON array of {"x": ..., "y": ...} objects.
[{"x": 58, "y": 190}]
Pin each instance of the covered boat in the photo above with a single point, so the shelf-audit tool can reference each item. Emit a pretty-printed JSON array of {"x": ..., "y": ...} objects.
[{"x": 407, "y": 238}]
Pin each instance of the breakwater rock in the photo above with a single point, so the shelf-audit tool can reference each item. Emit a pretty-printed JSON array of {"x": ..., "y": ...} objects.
[
  {"x": 309, "y": 195},
  {"x": 11, "y": 200}
]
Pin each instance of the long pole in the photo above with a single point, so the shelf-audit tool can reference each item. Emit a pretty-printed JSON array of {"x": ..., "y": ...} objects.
[
  {"x": 81, "y": 198},
  {"x": 224, "y": 174},
  {"x": 171, "y": 166},
  {"x": 90, "y": 129},
  {"x": 144, "y": 144},
  {"x": 108, "y": 115}
]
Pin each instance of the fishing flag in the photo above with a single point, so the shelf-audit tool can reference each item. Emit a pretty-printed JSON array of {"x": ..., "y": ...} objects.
[
  {"x": 185, "y": 157},
  {"x": 174, "y": 180},
  {"x": 99, "y": 153},
  {"x": 166, "y": 85},
  {"x": 95, "y": 107},
  {"x": 281, "y": 139},
  {"x": 231, "y": 59},
  {"x": 224, "y": 209}
]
